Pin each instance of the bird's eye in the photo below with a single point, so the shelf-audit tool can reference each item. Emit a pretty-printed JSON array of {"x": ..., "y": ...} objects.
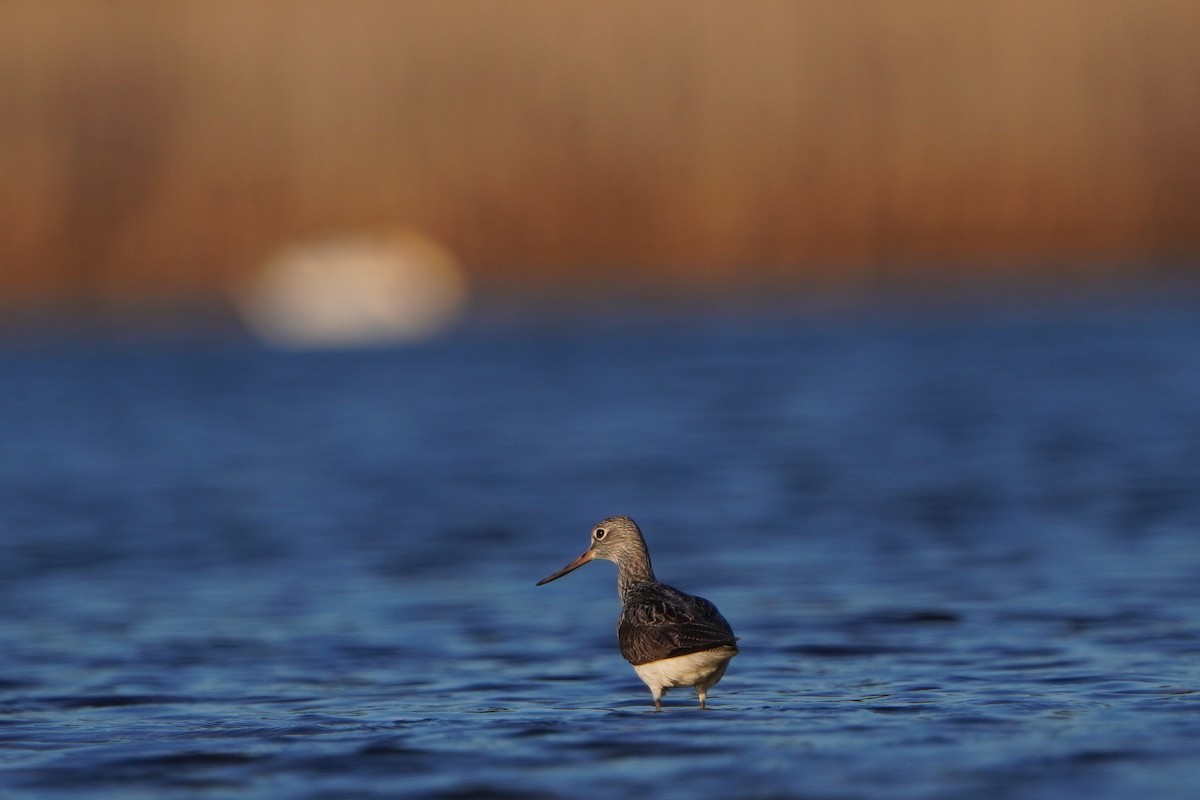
[{"x": 598, "y": 534}]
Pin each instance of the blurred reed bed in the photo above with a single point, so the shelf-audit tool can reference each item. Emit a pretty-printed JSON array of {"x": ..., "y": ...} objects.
[{"x": 159, "y": 151}]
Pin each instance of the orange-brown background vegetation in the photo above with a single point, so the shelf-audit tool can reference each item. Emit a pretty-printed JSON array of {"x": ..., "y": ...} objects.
[{"x": 159, "y": 151}]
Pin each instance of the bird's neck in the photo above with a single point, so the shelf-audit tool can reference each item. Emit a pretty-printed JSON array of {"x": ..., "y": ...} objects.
[{"x": 634, "y": 568}]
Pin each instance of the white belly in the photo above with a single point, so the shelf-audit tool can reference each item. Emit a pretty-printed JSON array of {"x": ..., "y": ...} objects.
[{"x": 701, "y": 669}]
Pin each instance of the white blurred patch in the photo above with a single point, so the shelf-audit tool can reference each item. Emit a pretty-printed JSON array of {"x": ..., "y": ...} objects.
[{"x": 355, "y": 290}]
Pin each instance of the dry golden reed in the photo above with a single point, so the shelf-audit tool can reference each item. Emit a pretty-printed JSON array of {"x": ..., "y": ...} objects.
[{"x": 160, "y": 150}]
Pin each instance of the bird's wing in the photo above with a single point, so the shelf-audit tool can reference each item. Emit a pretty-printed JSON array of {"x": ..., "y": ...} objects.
[{"x": 662, "y": 622}]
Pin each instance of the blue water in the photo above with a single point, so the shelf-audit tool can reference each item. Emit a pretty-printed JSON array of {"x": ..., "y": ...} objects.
[{"x": 961, "y": 549}]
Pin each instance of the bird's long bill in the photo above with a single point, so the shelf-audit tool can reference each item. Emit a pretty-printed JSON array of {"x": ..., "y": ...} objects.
[{"x": 574, "y": 565}]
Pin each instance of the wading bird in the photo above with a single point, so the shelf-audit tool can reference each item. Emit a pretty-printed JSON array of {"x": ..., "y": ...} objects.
[{"x": 672, "y": 639}]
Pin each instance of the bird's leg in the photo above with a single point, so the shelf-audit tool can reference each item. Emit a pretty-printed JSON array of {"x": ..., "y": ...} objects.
[{"x": 657, "y": 694}]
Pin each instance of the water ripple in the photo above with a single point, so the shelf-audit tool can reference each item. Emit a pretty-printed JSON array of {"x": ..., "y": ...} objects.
[{"x": 960, "y": 553}]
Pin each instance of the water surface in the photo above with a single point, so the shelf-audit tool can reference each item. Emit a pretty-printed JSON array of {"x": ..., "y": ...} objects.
[{"x": 962, "y": 551}]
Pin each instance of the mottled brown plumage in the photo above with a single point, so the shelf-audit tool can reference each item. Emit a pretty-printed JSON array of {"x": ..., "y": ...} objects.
[{"x": 671, "y": 638}]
